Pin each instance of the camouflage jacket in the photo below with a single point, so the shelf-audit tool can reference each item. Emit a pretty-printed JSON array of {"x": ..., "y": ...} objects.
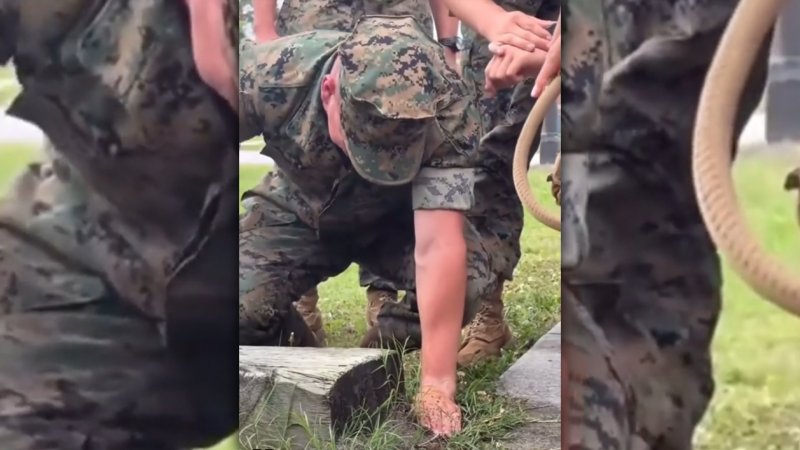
[
  {"x": 543, "y": 9},
  {"x": 412, "y": 129},
  {"x": 298, "y": 16},
  {"x": 114, "y": 86}
]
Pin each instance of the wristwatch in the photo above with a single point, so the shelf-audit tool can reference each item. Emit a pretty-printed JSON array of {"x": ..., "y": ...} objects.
[{"x": 452, "y": 43}]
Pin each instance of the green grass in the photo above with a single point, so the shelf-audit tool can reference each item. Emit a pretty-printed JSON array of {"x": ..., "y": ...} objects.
[
  {"x": 757, "y": 346},
  {"x": 532, "y": 307},
  {"x": 757, "y": 362}
]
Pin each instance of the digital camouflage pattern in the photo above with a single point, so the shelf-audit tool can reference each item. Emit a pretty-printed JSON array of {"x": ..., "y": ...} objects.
[
  {"x": 640, "y": 276},
  {"x": 93, "y": 240},
  {"x": 298, "y": 16},
  {"x": 318, "y": 211},
  {"x": 499, "y": 213}
]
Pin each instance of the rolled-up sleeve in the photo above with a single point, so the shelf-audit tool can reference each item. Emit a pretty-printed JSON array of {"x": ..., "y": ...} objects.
[{"x": 439, "y": 188}]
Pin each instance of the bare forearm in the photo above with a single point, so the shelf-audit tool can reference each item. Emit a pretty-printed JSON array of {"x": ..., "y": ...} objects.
[
  {"x": 207, "y": 20},
  {"x": 477, "y": 14},
  {"x": 441, "y": 278},
  {"x": 446, "y": 24},
  {"x": 264, "y": 12}
]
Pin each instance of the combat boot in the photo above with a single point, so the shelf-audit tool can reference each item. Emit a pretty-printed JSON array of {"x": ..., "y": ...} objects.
[
  {"x": 486, "y": 335},
  {"x": 375, "y": 299},
  {"x": 307, "y": 307}
]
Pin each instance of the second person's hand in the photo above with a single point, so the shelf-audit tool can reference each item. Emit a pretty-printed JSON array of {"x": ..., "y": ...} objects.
[{"x": 521, "y": 31}]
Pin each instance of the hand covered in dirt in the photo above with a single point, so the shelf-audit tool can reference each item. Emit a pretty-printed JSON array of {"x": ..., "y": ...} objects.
[
  {"x": 509, "y": 66},
  {"x": 437, "y": 412}
]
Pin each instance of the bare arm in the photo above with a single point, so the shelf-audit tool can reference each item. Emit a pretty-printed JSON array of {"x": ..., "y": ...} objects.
[
  {"x": 441, "y": 276},
  {"x": 446, "y": 24},
  {"x": 478, "y": 14},
  {"x": 213, "y": 53},
  {"x": 264, "y": 12},
  {"x": 498, "y": 25},
  {"x": 446, "y": 27}
]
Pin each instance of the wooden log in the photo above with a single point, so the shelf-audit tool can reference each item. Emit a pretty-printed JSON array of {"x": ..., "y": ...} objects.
[{"x": 302, "y": 395}]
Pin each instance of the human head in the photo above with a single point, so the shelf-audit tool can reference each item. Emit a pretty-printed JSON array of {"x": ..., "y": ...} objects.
[{"x": 392, "y": 100}]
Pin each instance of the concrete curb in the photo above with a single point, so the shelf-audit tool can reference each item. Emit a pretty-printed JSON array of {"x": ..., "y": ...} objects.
[
  {"x": 535, "y": 379},
  {"x": 536, "y": 376}
]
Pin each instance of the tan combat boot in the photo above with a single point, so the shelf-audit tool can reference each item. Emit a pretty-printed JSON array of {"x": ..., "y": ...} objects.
[
  {"x": 375, "y": 300},
  {"x": 307, "y": 307},
  {"x": 486, "y": 335}
]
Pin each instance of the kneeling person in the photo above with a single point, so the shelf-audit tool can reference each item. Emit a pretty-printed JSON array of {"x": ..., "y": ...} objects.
[{"x": 375, "y": 142}]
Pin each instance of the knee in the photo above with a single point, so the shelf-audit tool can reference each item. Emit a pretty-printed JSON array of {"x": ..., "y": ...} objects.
[{"x": 481, "y": 284}]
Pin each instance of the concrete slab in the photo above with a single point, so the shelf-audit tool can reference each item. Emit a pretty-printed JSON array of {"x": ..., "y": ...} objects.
[
  {"x": 536, "y": 380},
  {"x": 536, "y": 376}
]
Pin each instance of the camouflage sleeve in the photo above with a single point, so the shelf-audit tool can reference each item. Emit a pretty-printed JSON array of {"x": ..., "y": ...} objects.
[
  {"x": 451, "y": 189},
  {"x": 447, "y": 180},
  {"x": 263, "y": 104}
]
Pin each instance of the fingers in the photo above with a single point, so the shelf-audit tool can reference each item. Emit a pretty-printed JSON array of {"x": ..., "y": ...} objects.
[
  {"x": 497, "y": 48},
  {"x": 524, "y": 40},
  {"x": 438, "y": 413},
  {"x": 504, "y": 73},
  {"x": 550, "y": 69},
  {"x": 532, "y": 24}
]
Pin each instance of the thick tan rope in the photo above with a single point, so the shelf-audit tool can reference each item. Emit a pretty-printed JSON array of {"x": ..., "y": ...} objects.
[
  {"x": 523, "y": 151},
  {"x": 713, "y": 140}
]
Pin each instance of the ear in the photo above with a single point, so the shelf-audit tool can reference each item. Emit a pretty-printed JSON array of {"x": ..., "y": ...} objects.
[{"x": 327, "y": 90}]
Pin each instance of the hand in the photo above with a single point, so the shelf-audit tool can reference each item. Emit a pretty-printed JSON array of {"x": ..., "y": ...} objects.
[
  {"x": 521, "y": 31},
  {"x": 437, "y": 412},
  {"x": 509, "y": 66},
  {"x": 452, "y": 60},
  {"x": 550, "y": 69},
  {"x": 552, "y": 64}
]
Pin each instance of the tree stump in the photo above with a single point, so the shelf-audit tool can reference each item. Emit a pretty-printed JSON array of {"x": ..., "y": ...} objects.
[{"x": 300, "y": 395}]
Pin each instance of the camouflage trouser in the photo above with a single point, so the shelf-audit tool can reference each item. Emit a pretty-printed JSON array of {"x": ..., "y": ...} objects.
[
  {"x": 498, "y": 214},
  {"x": 641, "y": 278},
  {"x": 79, "y": 369},
  {"x": 280, "y": 258}
]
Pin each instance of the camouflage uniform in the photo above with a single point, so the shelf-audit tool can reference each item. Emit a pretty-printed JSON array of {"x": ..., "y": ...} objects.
[
  {"x": 413, "y": 147},
  {"x": 641, "y": 277},
  {"x": 500, "y": 214},
  {"x": 96, "y": 245},
  {"x": 296, "y": 16}
]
